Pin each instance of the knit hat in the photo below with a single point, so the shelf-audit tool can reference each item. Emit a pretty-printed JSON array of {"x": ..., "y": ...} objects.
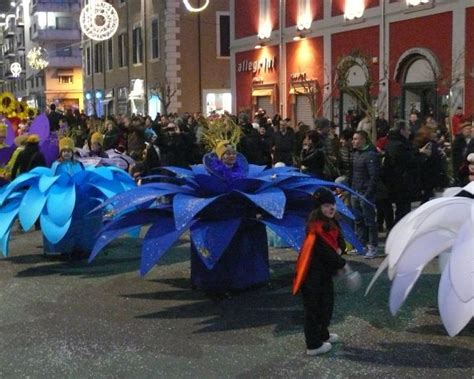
[
  {"x": 21, "y": 140},
  {"x": 222, "y": 147},
  {"x": 66, "y": 143},
  {"x": 3, "y": 130},
  {"x": 465, "y": 124},
  {"x": 323, "y": 196},
  {"x": 97, "y": 138},
  {"x": 33, "y": 138}
]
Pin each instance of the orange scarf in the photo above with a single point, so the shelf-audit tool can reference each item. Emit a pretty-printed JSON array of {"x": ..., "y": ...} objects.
[{"x": 302, "y": 264}]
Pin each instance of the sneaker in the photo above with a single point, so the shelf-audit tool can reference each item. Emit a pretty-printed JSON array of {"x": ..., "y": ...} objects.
[
  {"x": 333, "y": 338},
  {"x": 371, "y": 252},
  {"x": 323, "y": 349}
]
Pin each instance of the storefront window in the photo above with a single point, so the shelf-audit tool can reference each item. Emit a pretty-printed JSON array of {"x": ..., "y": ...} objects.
[{"x": 218, "y": 103}]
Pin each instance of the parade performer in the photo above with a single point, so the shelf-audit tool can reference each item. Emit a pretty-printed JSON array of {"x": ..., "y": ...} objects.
[
  {"x": 441, "y": 225},
  {"x": 319, "y": 261},
  {"x": 226, "y": 204},
  {"x": 63, "y": 199}
]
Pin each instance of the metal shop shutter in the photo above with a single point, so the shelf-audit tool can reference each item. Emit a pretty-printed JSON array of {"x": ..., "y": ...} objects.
[
  {"x": 303, "y": 110},
  {"x": 265, "y": 102}
]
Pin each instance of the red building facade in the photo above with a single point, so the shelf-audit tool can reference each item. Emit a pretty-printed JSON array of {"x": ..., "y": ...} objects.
[{"x": 416, "y": 57}]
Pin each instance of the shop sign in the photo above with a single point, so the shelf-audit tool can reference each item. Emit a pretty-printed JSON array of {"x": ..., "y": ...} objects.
[
  {"x": 298, "y": 77},
  {"x": 264, "y": 64}
]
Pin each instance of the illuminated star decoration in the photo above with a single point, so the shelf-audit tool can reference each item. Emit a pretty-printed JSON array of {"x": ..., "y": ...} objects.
[
  {"x": 99, "y": 20},
  {"x": 190, "y": 8},
  {"x": 15, "y": 69},
  {"x": 37, "y": 58}
]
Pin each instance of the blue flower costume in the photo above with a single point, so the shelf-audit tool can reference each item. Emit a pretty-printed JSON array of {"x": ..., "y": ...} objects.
[
  {"x": 226, "y": 210},
  {"x": 62, "y": 198}
]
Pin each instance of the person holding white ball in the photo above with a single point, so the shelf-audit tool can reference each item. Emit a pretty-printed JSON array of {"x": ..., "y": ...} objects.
[{"x": 319, "y": 261}]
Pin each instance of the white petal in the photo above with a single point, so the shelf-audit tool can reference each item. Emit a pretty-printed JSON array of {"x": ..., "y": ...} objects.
[
  {"x": 462, "y": 262},
  {"x": 448, "y": 213},
  {"x": 381, "y": 269},
  {"x": 401, "y": 287},
  {"x": 455, "y": 314}
]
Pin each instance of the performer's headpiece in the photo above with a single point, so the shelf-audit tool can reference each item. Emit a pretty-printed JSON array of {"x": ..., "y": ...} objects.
[
  {"x": 222, "y": 147},
  {"x": 33, "y": 138},
  {"x": 97, "y": 138},
  {"x": 66, "y": 143}
]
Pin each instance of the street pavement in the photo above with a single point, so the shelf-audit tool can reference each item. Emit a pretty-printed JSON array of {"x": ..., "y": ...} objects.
[{"x": 70, "y": 319}]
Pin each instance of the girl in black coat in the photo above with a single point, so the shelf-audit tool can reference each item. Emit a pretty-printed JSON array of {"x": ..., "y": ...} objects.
[{"x": 319, "y": 260}]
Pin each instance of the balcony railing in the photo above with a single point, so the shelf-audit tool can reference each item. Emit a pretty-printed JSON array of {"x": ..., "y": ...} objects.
[
  {"x": 55, "y": 6},
  {"x": 63, "y": 62},
  {"x": 56, "y": 35}
]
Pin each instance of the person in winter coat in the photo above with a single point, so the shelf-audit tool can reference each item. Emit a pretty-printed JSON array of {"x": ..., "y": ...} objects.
[
  {"x": 401, "y": 169},
  {"x": 320, "y": 259},
  {"x": 365, "y": 175},
  {"x": 29, "y": 158},
  {"x": 312, "y": 156},
  {"x": 284, "y": 144}
]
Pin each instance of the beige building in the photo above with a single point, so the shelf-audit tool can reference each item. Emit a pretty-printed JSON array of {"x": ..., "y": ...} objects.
[
  {"x": 160, "y": 46},
  {"x": 54, "y": 26}
]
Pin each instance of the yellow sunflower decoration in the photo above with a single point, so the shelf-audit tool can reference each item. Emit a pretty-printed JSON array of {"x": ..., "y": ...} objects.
[
  {"x": 222, "y": 129},
  {"x": 22, "y": 110},
  {"x": 31, "y": 112},
  {"x": 8, "y": 104}
]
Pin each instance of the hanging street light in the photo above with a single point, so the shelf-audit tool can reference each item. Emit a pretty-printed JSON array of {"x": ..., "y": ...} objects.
[
  {"x": 99, "y": 20},
  {"x": 190, "y": 8}
]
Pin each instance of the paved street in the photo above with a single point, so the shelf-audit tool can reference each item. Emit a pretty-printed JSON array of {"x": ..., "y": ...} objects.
[{"x": 74, "y": 320}]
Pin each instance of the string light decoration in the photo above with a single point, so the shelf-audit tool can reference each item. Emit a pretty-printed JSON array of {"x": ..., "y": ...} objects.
[
  {"x": 190, "y": 8},
  {"x": 38, "y": 58},
  {"x": 15, "y": 69},
  {"x": 99, "y": 20}
]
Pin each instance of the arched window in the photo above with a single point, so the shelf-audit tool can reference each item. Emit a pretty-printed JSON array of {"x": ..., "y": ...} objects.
[{"x": 417, "y": 73}]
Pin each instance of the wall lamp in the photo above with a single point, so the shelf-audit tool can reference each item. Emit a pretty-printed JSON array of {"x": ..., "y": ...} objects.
[
  {"x": 414, "y": 3},
  {"x": 354, "y": 9},
  {"x": 301, "y": 34}
]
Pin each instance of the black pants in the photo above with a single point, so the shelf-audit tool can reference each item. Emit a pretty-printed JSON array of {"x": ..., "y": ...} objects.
[{"x": 318, "y": 302}]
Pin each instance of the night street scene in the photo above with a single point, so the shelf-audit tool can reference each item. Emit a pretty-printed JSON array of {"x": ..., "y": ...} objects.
[{"x": 237, "y": 189}]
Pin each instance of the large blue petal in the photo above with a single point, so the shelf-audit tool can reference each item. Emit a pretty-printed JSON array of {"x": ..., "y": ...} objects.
[
  {"x": 211, "y": 185},
  {"x": 40, "y": 170},
  {"x": 104, "y": 172},
  {"x": 350, "y": 236},
  {"x": 199, "y": 169},
  {"x": 53, "y": 233},
  {"x": 4, "y": 243},
  {"x": 159, "y": 238},
  {"x": 186, "y": 207},
  {"x": 60, "y": 203},
  {"x": 138, "y": 195},
  {"x": 291, "y": 228},
  {"x": 343, "y": 208},
  {"x": 31, "y": 206},
  {"x": 211, "y": 238},
  {"x": 7, "y": 216},
  {"x": 122, "y": 225},
  {"x": 272, "y": 200},
  {"x": 23, "y": 180},
  {"x": 248, "y": 184},
  {"x": 255, "y": 170},
  {"x": 179, "y": 171},
  {"x": 46, "y": 181}
]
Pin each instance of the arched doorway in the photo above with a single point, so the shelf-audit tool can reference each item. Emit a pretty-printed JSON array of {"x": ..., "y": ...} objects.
[
  {"x": 417, "y": 73},
  {"x": 350, "y": 108}
]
